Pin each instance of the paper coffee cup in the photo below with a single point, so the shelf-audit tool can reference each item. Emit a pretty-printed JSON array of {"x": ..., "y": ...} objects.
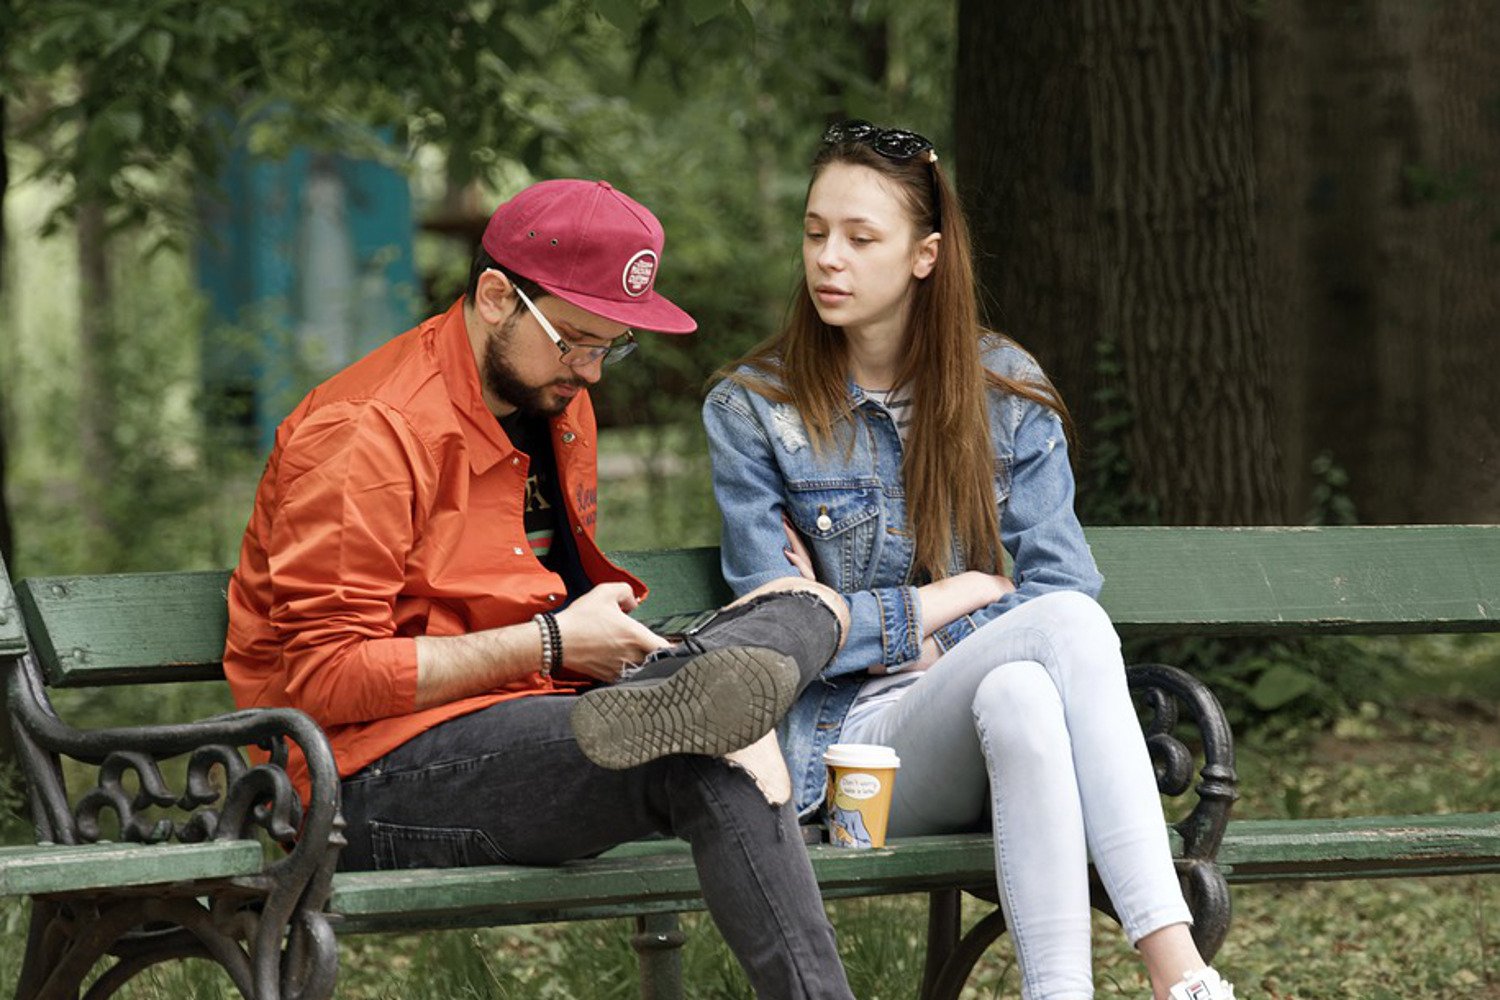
[{"x": 860, "y": 777}]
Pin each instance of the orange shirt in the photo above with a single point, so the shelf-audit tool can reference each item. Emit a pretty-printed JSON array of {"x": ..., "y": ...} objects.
[{"x": 392, "y": 507}]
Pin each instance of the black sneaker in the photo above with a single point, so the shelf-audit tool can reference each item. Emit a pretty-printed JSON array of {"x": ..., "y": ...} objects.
[{"x": 714, "y": 703}]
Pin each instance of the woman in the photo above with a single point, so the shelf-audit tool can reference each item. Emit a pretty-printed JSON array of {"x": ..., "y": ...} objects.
[{"x": 885, "y": 444}]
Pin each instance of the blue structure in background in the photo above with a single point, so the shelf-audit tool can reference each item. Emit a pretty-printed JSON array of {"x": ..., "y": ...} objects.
[{"x": 307, "y": 263}]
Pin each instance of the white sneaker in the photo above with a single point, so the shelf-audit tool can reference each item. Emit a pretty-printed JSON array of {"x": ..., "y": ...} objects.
[
  {"x": 762, "y": 760},
  {"x": 1205, "y": 984}
]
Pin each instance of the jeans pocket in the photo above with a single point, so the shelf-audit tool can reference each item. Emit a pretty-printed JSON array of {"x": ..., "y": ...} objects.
[{"x": 398, "y": 845}]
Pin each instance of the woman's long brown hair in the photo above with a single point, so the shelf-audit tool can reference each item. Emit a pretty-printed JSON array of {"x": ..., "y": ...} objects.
[{"x": 949, "y": 464}]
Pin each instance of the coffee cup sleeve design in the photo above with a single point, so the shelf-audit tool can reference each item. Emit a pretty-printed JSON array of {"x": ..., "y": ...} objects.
[{"x": 847, "y": 828}]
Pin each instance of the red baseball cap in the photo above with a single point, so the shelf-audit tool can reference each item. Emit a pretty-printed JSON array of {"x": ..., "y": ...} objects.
[{"x": 590, "y": 245}]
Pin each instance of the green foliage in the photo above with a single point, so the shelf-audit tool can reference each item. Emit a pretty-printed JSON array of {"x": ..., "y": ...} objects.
[
  {"x": 1424, "y": 184},
  {"x": 15, "y": 825},
  {"x": 1331, "y": 503},
  {"x": 1107, "y": 494},
  {"x": 1281, "y": 684},
  {"x": 706, "y": 111},
  {"x": 176, "y": 496}
]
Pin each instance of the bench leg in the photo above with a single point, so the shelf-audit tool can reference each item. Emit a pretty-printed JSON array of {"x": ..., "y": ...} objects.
[
  {"x": 658, "y": 942},
  {"x": 944, "y": 922},
  {"x": 948, "y": 983}
]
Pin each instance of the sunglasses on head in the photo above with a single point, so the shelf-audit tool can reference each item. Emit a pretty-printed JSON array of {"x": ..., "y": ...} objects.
[
  {"x": 897, "y": 144},
  {"x": 892, "y": 143}
]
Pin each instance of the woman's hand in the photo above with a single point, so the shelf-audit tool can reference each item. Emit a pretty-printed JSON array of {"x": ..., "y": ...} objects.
[
  {"x": 796, "y": 551},
  {"x": 969, "y": 589},
  {"x": 949, "y": 599}
]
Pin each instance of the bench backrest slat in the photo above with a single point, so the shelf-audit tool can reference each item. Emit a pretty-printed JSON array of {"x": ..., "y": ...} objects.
[
  {"x": 127, "y": 628},
  {"x": 1265, "y": 581},
  {"x": 1159, "y": 581}
]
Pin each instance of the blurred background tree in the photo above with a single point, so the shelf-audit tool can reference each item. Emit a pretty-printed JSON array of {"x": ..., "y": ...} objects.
[{"x": 1253, "y": 243}]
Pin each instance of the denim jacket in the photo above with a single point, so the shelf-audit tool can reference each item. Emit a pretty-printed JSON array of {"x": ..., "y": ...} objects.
[{"x": 849, "y": 505}]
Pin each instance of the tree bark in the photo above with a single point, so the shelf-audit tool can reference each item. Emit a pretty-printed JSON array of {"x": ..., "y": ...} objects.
[
  {"x": 96, "y": 395},
  {"x": 1025, "y": 175},
  {"x": 10, "y": 780},
  {"x": 1458, "y": 446},
  {"x": 7, "y": 539},
  {"x": 1281, "y": 65},
  {"x": 1174, "y": 175},
  {"x": 1381, "y": 191}
]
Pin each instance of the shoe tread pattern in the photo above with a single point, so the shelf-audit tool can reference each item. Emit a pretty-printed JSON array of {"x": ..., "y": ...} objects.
[{"x": 718, "y": 702}]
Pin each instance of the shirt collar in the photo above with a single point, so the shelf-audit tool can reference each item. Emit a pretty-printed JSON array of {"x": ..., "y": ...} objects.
[{"x": 487, "y": 443}]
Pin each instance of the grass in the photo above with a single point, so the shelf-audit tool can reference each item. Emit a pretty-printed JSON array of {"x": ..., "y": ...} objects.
[
  {"x": 1433, "y": 938},
  {"x": 1427, "y": 743}
]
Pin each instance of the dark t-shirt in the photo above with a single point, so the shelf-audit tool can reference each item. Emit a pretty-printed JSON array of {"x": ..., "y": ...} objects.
[{"x": 545, "y": 516}]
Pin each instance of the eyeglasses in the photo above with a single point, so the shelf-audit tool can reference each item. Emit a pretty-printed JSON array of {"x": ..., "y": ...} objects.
[
  {"x": 891, "y": 143},
  {"x": 577, "y": 355},
  {"x": 897, "y": 144}
]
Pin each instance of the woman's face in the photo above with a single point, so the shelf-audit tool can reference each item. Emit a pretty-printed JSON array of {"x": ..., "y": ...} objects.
[{"x": 860, "y": 251}]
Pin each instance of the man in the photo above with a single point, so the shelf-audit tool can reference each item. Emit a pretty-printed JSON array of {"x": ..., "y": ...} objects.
[{"x": 420, "y": 575}]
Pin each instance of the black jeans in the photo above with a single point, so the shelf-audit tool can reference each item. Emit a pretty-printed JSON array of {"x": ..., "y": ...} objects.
[{"x": 508, "y": 785}]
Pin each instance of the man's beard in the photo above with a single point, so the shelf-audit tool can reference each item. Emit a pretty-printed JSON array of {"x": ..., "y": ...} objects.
[{"x": 500, "y": 378}]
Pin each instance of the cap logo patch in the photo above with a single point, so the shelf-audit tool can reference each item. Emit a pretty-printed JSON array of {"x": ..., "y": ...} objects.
[{"x": 639, "y": 271}]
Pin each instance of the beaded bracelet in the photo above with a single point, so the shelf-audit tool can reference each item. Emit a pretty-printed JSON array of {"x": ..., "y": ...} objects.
[
  {"x": 541, "y": 624},
  {"x": 552, "y": 654}
]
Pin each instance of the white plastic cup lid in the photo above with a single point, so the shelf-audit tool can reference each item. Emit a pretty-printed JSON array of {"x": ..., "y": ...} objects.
[{"x": 860, "y": 755}]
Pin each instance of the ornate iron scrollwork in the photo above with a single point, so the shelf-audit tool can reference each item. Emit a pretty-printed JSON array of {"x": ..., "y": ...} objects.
[{"x": 268, "y": 931}]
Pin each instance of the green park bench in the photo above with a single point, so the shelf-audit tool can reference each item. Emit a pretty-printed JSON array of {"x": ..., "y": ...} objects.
[{"x": 220, "y": 860}]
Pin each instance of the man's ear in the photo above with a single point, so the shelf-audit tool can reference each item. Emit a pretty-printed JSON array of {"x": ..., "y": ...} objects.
[
  {"x": 927, "y": 252},
  {"x": 494, "y": 297}
]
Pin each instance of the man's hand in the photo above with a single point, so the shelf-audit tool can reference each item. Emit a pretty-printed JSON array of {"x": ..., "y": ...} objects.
[{"x": 599, "y": 638}]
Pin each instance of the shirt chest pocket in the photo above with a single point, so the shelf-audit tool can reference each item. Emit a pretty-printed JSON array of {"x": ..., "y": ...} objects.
[{"x": 841, "y": 526}]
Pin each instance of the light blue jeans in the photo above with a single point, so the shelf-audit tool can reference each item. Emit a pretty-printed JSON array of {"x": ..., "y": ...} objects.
[{"x": 1031, "y": 717}]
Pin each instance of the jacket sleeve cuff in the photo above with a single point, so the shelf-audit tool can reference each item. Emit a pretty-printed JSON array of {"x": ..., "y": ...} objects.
[
  {"x": 373, "y": 679},
  {"x": 954, "y": 632},
  {"x": 885, "y": 627}
]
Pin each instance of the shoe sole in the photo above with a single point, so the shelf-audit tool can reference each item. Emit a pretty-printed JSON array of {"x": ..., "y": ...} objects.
[{"x": 716, "y": 703}]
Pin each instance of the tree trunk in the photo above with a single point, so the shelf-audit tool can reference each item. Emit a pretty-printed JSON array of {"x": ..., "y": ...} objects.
[
  {"x": 96, "y": 395},
  {"x": 7, "y": 540},
  {"x": 1024, "y": 172},
  {"x": 1281, "y": 64},
  {"x": 1457, "y": 474},
  {"x": 10, "y": 779},
  {"x": 1363, "y": 325},
  {"x": 1174, "y": 172},
  {"x": 1381, "y": 191}
]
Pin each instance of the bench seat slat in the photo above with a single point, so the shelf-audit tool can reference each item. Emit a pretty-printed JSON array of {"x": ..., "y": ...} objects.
[
  {"x": 1362, "y": 847},
  {"x": 45, "y": 868},
  {"x": 659, "y": 874}
]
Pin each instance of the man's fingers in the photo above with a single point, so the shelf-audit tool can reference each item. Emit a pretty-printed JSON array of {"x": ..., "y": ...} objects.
[
  {"x": 623, "y": 596},
  {"x": 647, "y": 639}
]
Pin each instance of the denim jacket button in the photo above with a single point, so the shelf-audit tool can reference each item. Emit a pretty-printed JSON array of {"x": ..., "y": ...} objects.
[{"x": 824, "y": 522}]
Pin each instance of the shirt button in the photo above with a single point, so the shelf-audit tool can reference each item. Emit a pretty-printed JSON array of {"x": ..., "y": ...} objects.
[
  {"x": 824, "y": 522},
  {"x": 552, "y": 597},
  {"x": 515, "y": 461},
  {"x": 517, "y": 550},
  {"x": 569, "y": 437},
  {"x": 578, "y": 529}
]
